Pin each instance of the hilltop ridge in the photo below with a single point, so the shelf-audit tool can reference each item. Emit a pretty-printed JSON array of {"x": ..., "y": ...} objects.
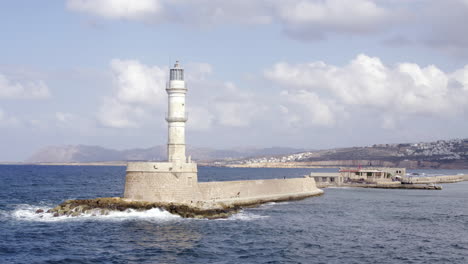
[{"x": 440, "y": 154}]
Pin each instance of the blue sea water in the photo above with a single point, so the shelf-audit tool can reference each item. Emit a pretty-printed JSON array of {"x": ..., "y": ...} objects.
[{"x": 346, "y": 225}]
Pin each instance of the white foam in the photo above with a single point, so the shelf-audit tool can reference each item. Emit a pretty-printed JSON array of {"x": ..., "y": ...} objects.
[
  {"x": 245, "y": 216},
  {"x": 267, "y": 205},
  {"x": 28, "y": 213}
]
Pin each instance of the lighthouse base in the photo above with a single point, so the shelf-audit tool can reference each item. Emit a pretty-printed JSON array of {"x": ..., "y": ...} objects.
[{"x": 170, "y": 182}]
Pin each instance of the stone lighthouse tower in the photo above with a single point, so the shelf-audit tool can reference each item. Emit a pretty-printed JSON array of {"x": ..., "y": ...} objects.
[
  {"x": 176, "y": 116},
  {"x": 175, "y": 180}
]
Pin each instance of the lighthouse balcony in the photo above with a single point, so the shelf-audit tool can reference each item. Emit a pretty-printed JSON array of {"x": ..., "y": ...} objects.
[
  {"x": 183, "y": 118},
  {"x": 176, "y": 85}
]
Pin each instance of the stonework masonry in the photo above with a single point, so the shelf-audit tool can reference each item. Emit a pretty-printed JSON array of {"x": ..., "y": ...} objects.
[
  {"x": 161, "y": 181},
  {"x": 254, "y": 190},
  {"x": 177, "y": 183}
]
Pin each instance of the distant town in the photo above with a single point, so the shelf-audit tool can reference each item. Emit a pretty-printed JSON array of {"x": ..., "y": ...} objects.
[{"x": 439, "y": 154}]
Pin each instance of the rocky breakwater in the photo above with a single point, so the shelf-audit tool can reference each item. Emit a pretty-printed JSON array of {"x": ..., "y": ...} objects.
[
  {"x": 103, "y": 206},
  {"x": 200, "y": 209}
]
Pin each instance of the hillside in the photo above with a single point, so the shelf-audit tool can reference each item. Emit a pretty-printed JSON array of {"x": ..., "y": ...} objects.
[
  {"x": 441, "y": 154},
  {"x": 449, "y": 154}
]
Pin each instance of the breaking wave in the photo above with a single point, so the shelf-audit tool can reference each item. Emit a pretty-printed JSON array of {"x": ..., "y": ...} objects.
[
  {"x": 244, "y": 216},
  {"x": 247, "y": 216},
  {"x": 27, "y": 212}
]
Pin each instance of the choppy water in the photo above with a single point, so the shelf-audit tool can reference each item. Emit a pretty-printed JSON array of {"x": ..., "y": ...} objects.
[{"x": 348, "y": 225}]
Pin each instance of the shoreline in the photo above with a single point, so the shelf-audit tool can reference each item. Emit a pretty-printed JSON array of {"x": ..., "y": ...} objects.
[{"x": 205, "y": 164}]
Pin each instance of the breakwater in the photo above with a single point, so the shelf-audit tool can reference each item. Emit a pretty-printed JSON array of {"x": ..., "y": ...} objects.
[
  {"x": 435, "y": 179},
  {"x": 206, "y": 210},
  {"x": 169, "y": 183}
]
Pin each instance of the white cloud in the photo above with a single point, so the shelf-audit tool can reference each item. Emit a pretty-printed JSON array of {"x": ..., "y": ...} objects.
[
  {"x": 366, "y": 82},
  {"x": 420, "y": 22},
  {"x": 295, "y": 15},
  {"x": 23, "y": 89},
  {"x": 235, "y": 114},
  {"x": 332, "y": 12},
  {"x": 139, "y": 91},
  {"x": 460, "y": 76},
  {"x": 215, "y": 12},
  {"x": 199, "y": 118},
  {"x": 116, "y": 9},
  {"x": 116, "y": 114},
  {"x": 305, "y": 108},
  {"x": 313, "y": 19},
  {"x": 235, "y": 107},
  {"x": 416, "y": 21},
  {"x": 140, "y": 96},
  {"x": 189, "y": 12},
  {"x": 138, "y": 83}
]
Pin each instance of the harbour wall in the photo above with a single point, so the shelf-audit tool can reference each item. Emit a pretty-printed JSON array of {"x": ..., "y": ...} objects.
[
  {"x": 258, "y": 190},
  {"x": 436, "y": 179}
]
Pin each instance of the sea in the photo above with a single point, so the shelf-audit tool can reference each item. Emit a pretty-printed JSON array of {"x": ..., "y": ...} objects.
[{"x": 345, "y": 225}]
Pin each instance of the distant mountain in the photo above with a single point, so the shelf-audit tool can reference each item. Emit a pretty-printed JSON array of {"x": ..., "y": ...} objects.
[
  {"x": 76, "y": 153},
  {"x": 85, "y": 153},
  {"x": 447, "y": 154}
]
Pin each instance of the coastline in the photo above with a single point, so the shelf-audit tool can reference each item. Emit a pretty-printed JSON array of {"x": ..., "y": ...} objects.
[
  {"x": 278, "y": 165},
  {"x": 347, "y": 163}
]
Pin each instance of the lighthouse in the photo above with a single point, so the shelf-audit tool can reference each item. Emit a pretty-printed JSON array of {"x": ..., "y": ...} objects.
[
  {"x": 175, "y": 182},
  {"x": 176, "y": 116}
]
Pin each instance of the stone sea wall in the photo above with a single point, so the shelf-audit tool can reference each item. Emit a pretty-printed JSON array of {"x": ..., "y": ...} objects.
[
  {"x": 256, "y": 190},
  {"x": 435, "y": 179}
]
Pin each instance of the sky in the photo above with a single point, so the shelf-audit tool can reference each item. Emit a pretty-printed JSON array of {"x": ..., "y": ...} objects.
[{"x": 312, "y": 74}]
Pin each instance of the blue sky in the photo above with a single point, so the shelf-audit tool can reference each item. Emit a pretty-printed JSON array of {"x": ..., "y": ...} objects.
[{"x": 298, "y": 73}]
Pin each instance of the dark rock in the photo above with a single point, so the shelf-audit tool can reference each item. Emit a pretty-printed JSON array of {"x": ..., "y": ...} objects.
[
  {"x": 39, "y": 211},
  {"x": 103, "y": 206}
]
